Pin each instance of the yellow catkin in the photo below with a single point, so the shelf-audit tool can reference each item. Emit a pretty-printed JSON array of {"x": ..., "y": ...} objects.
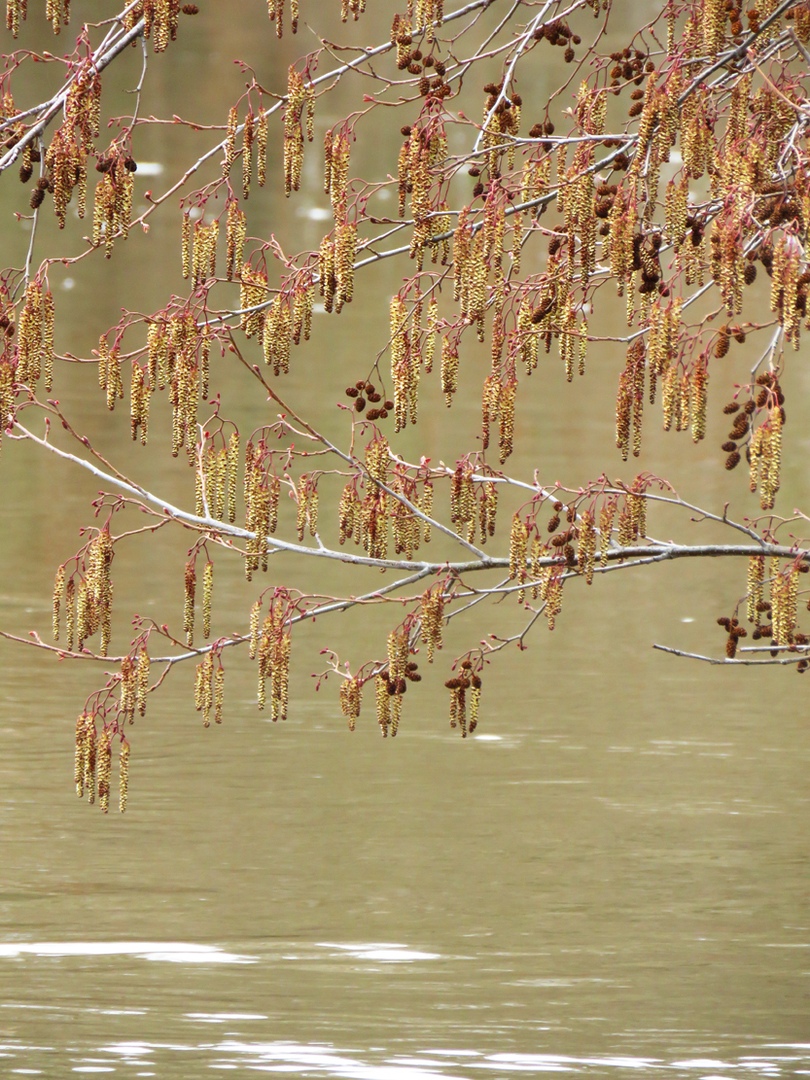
[
  {"x": 432, "y": 619},
  {"x": 190, "y": 582},
  {"x": 350, "y": 700},
  {"x": 79, "y": 755},
  {"x": 123, "y": 776},
  {"x": 104, "y": 768},
  {"x": 208, "y": 589},
  {"x": 219, "y": 692},
  {"x": 58, "y": 589},
  {"x": 518, "y": 546},
  {"x": 755, "y": 583}
]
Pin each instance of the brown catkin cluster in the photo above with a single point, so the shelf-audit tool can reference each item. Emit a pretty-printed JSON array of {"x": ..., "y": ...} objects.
[
  {"x": 351, "y": 694},
  {"x": 160, "y": 19},
  {"x": 299, "y": 122},
  {"x": 112, "y": 205},
  {"x": 432, "y": 618},
  {"x": 273, "y": 655},
  {"x": 35, "y": 330},
  {"x": 459, "y": 685}
]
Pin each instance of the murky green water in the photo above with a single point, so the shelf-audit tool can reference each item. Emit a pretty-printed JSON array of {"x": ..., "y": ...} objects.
[{"x": 609, "y": 880}]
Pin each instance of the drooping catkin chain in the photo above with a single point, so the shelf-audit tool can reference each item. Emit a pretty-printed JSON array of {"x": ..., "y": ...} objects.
[
  {"x": 432, "y": 618},
  {"x": 112, "y": 205},
  {"x": 273, "y": 655},
  {"x": 299, "y": 122}
]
